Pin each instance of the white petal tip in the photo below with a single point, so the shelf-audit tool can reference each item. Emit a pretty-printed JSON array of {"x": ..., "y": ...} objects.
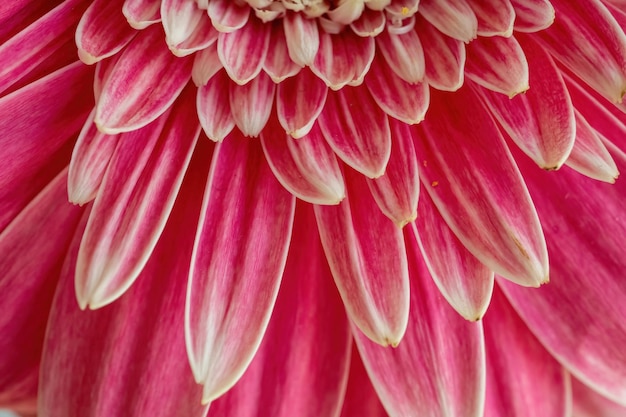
[{"x": 87, "y": 58}]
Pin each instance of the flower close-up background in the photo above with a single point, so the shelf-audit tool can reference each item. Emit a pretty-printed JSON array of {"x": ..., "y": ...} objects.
[{"x": 238, "y": 208}]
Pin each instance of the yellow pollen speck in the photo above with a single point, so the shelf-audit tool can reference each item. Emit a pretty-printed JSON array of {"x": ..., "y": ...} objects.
[
  {"x": 434, "y": 183},
  {"x": 405, "y": 11}
]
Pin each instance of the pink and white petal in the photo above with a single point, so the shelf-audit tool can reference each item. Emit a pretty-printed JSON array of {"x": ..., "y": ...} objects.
[
  {"x": 586, "y": 38},
  {"x": 228, "y": 16},
  {"x": 589, "y": 155},
  {"x": 397, "y": 192},
  {"x": 462, "y": 279},
  {"x": 213, "y": 107},
  {"x": 306, "y": 167},
  {"x": 403, "y": 53},
  {"x": 238, "y": 260},
  {"x": 587, "y": 332},
  {"x": 31, "y": 156},
  {"x": 299, "y": 101},
  {"x": 522, "y": 377},
  {"x": 366, "y": 253},
  {"x": 361, "y": 400},
  {"x": 541, "y": 121},
  {"x": 278, "y": 65},
  {"x": 486, "y": 205},
  {"x": 124, "y": 104},
  {"x": 495, "y": 17},
  {"x": 17, "y": 14},
  {"x": 370, "y": 23},
  {"x": 102, "y": 74},
  {"x": 444, "y": 56},
  {"x": 302, "y": 36},
  {"x": 431, "y": 373},
  {"x": 364, "y": 144},
  {"x": 532, "y": 15},
  {"x": 588, "y": 403},
  {"x": 90, "y": 158},
  {"x": 251, "y": 104},
  {"x": 343, "y": 59},
  {"x": 28, "y": 253},
  {"x": 455, "y": 19},
  {"x": 399, "y": 99},
  {"x": 346, "y": 12},
  {"x": 187, "y": 27},
  {"x": 102, "y": 31},
  {"x": 142, "y": 13},
  {"x": 497, "y": 64},
  {"x": 309, "y": 374},
  {"x": 206, "y": 64},
  {"x": 203, "y": 36},
  {"x": 119, "y": 353}
]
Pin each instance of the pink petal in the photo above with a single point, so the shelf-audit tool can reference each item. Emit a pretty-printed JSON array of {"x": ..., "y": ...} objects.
[
  {"x": 228, "y": 16},
  {"x": 239, "y": 257},
  {"x": 128, "y": 358},
  {"x": 498, "y": 64},
  {"x": 588, "y": 41},
  {"x": 307, "y": 167},
  {"x": 464, "y": 282},
  {"x": 455, "y": 19},
  {"x": 541, "y": 121},
  {"x": 136, "y": 94},
  {"x": 17, "y": 14},
  {"x": 133, "y": 203},
  {"x": 397, "y": 192},
  {"x": 366, "y": 254},
  {"x": 399, "y": 99},
  {"x": 142, "y": 13},
  {"x": 432, "y": 372},
  {"x": 90, "y": 159},
  {"x": 361, "y": 400},
  {"x": 206, "y": 64},
  {"x": 522, "y": 377},
  {"x": 532, "y": 15},
  {"x": 486, "y": 205},
  {"x": 278, "y": 65},
  {"x": 303, "y": 39},
  {"x": 251, "y": 104},
  {"x": 306, "y": 376},
  {"x": 103, "y": 31},
  {"x": 213, "y": 107},
  {"x": 299, "y": 102},
  {"x": 187, "y": 28},
  {"x": 588, "y": 403},
  {"x": 495, "y": 17},
  {"x": 370, "y": 23},
  {"x": 403, "y": 53},
  {"x": 362, "y": 143}
]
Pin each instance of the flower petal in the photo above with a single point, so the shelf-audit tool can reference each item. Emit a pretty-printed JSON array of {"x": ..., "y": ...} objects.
[
  {"x": 455, "y": 19},
  {"x": 187, "y": 28},
  {"x": 403, "y": 53},
  {"x": 228, "y": 16},
  {"x": 206, "y": 64},
  {"x": 588, "y": 403},
  {"x": 142, "y": 13},
  {"x": 361, "y": 400},
  {"x": 299, "y": 101},
  {"x": 370, "y": 23},
  {"x": 532, "y": 15},
  {"x": 302, "y": 37},
  {"x": 214, "y": 109},
  {"x": 251, "y": 104},
  {"x": 278, "y": 65},
  {"x": 495, "y": 17},
  {"x": 238, "y": 259}
]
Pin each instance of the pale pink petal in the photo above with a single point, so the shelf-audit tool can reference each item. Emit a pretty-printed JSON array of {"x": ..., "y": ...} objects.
[
  {"x": 299, "y": 102},
  {"x": 462, "y": 279},
  {"x": 90, "y": 159},
  {"x": 498, "y": 64},
  {"x": 136, "y": 342},
  {"x": 371, "y": 23},
  {"x": 103, "y": 31},
  {"x": 438, "y": 368},
  {"x": 251, "y": 104},
  {"x": 306, "y": 376},
  {"x": 227, "y": 15},
  {"x": 104, "y": 69},
  {"x": 455, "y": 19},
  {"x": 362, "y": 143},
  {"x": 523, "y": 379},
  {"x": 278, "y": 65},
  {"x": 243, "y": 52},
  {"x": 124, "y": 105},
  {"x": 403, "y": 53},
  {"x": 588, "y": 403},
  {"x": 486, "y": 204},
  {"x": 367, "y": 257},
  {"x": 346, "y": 11},
  {"x": 206, "y": 64},
  {"x": 302, "y": 37},
  {"x": 307, "y": 167},
  {"x": 586, "y": 38},
  {"x": 142, "y": 13},
  {"x": 187, "y": 28},
  {"x": 361, "y": 400},
  {"x": 239, "y": 256},
  {"x": 532, "y": 15},
  {"x": 213, "y": 107},
  {"x": 399, "y": 99},
  {"x": 495, "y": 17},
  {"x": 397, "y": 192}
]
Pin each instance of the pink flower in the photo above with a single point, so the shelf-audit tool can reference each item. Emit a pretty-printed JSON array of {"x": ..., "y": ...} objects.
[{"x": 246, "y": 236}]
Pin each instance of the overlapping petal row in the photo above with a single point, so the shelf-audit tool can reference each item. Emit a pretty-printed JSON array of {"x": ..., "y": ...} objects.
[{"x": 362, "y": 108}]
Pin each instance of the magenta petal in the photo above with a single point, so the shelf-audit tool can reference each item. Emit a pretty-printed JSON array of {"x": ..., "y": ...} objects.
[
  {"x": 278, "y": 64},
  {"x": 307, "y": 375},
  {"x": 370, "y": 23},
  {"x": 361, "y": 400},
  {"x": 302, "y": 38},
  {"x": 142, "y": 13},
  {"x": 532, "y": 15},
  {"x": 523, "y": 379},
  {"x": 588, "y": 403},
  {"x": 251, "y": 104},
  {"x": 403, "y": 53},
  {"x": 366, "y": 254},
  {"x": 495, "y": 17},
  {"x": 133, "y": 203},
  {"x": 239, "y": 256},
  {"x": 485, "y": 204},
  {"x": 227, "y": 15},
  {"x": 213, "y": 108},
  {"x": 299, "y": 101},
  {"x": 206, "y": 64},
  {"x": 439, "y": 368},
  {"x": 455, "y": 19},
  {"x": 243, "y": 51},
  {"x": 187, "y": 28},
  {"x": 136, "y": 93}
]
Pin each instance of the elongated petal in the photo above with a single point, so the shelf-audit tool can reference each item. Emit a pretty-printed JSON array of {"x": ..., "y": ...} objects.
[
  {"x": 110, "y": 354},
  {"x": 214, "y": 108},
  {"x": 588, "y": 403},
  {"x": 123, "y": 105},
  {"x": 463, "y": 280},
  {"x": 371, "y": 23},
  {"x": 299, "y": 101},
  {"x": 251, "y": 104},
  {"x": 206, "y": 64},
  {"x": 228, "y": 16},
  {"x": 142, "y": 13},
  {"x": 187, "y": 28},
  {"x": 429, "y": 373},
  {"x": 362, "y": 143},
  {"x": 366, "y": 254},
  {"x": 302, "y": 37},
  {"x": 278, "y": 64},
  {"x": 445, "y": 57},
  {"x": 455, "y": 19},
  {"x": 532, "y": 15},
  {"x": 309, "y": 374},
  {"x": 522, "y": 377},
  {"x": 403, "y": 53},
  {"x": 485, "y": 204},
  {"x": 307, "y": 167},
  {"x": 243, "y": 51},
  {"x": 361, "y": 400},
  {"x": 495, "y": 17},
  {"x": 239, "y": 257}
]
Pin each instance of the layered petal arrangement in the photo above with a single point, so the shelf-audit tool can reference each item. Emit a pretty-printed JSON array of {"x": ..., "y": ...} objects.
[{"x": 251, "y": 208}]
